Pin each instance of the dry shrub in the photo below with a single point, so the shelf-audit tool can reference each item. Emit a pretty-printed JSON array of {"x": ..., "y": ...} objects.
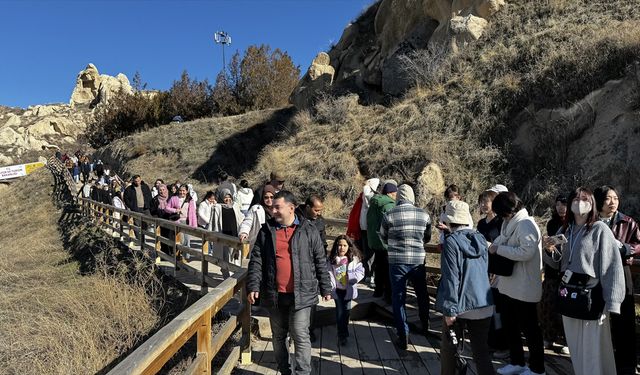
[{"x": 52, "y": 319}]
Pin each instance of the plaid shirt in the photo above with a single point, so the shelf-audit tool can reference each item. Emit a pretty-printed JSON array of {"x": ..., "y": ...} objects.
[{"x": 405, "y": 229}]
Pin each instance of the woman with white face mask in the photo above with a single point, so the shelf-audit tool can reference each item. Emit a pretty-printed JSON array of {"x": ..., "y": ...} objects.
[{"x": 590, "y": 258}]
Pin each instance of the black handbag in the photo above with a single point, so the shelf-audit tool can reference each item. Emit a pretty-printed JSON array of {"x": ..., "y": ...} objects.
[
  {"x": 575, "y": 299},
  {"x": 176, "y": 215},
  {"x": 499, "y": 265},
  {"x": 461, "y": 362}
]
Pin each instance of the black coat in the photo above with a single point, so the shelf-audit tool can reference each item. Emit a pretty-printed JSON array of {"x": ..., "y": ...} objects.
[
  {"x": 309, "y": 265},
  {"x": 130, "y": 197},
  {"x": 319, "y": 223}
]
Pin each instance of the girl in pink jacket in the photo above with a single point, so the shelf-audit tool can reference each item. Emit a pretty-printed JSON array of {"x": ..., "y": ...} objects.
[{"x": 345, "y": 271}]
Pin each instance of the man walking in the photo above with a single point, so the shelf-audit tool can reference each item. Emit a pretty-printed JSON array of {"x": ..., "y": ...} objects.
[
  {"x": 137, "y": 197},
  {"x": 312, "y": 211},
  {"x": 405, "y": 229},
  {"x": 378, "y": 206},
  {"x": 287, "y": 265}
]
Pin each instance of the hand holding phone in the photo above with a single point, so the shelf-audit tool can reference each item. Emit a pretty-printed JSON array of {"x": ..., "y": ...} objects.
[{"x": 558, "y": 239}]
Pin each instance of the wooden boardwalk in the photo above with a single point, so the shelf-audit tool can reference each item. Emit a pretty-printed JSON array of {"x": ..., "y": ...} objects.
[{"x": 371, "y": 349}]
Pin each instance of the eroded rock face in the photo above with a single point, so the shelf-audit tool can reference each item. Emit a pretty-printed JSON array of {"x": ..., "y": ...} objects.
[
  {"x": 319, "y": 77},
  {"x": 44, "y": 128},
  {"x": 92, "y": 88},
  {"x": 40, "y": 129},
  {"x": 596, "y": 140},
  {"x": 366, "y": 60}
]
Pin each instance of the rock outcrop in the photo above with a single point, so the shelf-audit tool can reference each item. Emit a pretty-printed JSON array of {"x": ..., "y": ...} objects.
[
  {"x": 93, "y": 88},
  {"x": 40, "y": 127},
  {"x": 367, "y": 58},
  {"x": 595, "y": 141},
  {"x": 25, "y": 134}
]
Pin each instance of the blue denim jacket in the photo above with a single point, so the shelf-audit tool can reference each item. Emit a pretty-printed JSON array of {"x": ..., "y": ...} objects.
[{"x": 464, "y": 285}]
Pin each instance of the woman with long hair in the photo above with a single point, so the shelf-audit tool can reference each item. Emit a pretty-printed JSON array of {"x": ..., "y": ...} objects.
[
  {"x": 345, "y": 271},
  {"x": 550, "y": 320},
  {"x": 589, "y": 258},
  {"x": 257, "y": 215},
  {"x": 626, "y": 231}
]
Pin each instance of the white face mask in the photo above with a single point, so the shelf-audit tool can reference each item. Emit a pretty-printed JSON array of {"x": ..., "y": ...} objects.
[{"x": 581, "y": 207}]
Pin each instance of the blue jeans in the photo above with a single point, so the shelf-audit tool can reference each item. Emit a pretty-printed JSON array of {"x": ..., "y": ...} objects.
[
  {"x": 285, "y": 319},
  {"x": 399, "y": 275},
  {"x": 342, "y": 313}
]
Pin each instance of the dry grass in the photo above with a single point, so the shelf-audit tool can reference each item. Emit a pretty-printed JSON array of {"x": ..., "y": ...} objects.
[
  {"x": 461, "y": 114},
  {"x": 52, "y": 319}
]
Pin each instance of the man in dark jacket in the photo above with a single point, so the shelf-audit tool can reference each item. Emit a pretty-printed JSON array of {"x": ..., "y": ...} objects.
[
  {"x": 137, "y": 197},
  {"x": 312, "y": 211},
  {"x": 286, "y": 267}
]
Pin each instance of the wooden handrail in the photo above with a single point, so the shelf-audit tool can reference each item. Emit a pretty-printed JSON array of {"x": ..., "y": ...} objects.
[
  {"x": 154, "y": 353},
  {"x": 195, "y": 320}
]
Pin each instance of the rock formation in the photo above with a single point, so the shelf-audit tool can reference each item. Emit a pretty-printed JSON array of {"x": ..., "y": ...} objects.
[
  {"x": 92, "y": 88},
  {"x": 25, "y": 134},
  {"x": 595, "y": 140},
  {"x": 318, "y": 78},
  {"x": 366, "y": 60}
]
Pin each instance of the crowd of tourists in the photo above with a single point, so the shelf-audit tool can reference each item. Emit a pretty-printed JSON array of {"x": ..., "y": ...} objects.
[{"x": 568, "y": 289}]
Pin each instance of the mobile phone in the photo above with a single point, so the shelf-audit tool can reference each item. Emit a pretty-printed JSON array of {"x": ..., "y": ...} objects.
[{"x": 559, "y": 239}]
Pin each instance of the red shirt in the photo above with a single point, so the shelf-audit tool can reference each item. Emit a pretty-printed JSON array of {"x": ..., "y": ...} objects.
[{"x": 284, "y": 261}]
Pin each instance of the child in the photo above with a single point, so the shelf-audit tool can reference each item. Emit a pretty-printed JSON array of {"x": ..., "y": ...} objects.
[{"x": 345, "y": 271}]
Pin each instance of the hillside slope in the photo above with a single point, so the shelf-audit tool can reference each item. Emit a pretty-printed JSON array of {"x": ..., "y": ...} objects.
[
  {"x": 458, "y": 124},
  {"x": 53, "y": 320}
]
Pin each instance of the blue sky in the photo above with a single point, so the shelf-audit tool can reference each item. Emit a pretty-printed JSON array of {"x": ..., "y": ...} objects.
[{"x": 46, "y": 43}]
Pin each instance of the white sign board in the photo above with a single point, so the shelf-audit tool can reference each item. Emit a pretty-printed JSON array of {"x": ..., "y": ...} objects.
[{"x": 19, "y": 170}]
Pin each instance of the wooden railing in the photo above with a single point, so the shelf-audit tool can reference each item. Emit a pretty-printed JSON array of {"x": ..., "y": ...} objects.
[
  {"x": 196, "y": 320},
  {"x": 154, "y": 353}
]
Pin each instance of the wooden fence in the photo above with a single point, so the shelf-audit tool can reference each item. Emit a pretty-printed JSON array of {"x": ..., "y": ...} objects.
[
  {"x": 196, "y": 320},
  {"x": 137, "y": 231}
]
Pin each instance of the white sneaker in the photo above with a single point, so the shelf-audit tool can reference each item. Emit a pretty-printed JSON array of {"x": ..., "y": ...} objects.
[
  {"x": 565, "y": 350},
  {"x": 512, "y": 370},
  {"x": 529, "y": 372}
]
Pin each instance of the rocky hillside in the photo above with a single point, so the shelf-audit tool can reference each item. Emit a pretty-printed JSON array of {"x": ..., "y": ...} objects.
[
  {"x": 26, "y": 135},
  {"x": 538, "y": 95}
]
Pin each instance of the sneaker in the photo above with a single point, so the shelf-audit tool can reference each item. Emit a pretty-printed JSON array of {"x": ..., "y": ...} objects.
[
  {"x": 512, "y": 369},
  {"x": 529, "y": 372},
  {"x": 565, "y": 350},
  {"x": 501, "y": 354}
]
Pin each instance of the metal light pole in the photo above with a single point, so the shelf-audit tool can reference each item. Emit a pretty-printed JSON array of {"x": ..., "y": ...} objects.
[{"x": 221, "y": 37}]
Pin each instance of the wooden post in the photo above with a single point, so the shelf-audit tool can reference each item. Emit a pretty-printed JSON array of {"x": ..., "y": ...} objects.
[
  {"x": 204, "y": 287},
  {"x": 245, "y": 321},
  {"x": 158, "y": 244},
  {"x": 132, "y": 233},
  {"x": 204, "y": 340},
  {"x": 246, "y": 247},
  {"x": 176, "y": 240},
  {"x": 142, "y": 236},
  {"x": 120, "y": 225}
]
